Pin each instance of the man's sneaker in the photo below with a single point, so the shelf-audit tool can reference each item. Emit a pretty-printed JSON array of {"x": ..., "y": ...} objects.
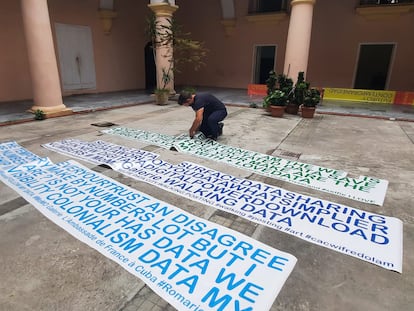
[{"x": 220, "y": 128}]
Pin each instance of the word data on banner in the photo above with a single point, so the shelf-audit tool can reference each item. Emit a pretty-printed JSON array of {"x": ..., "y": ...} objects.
[
  {"x": 364, "y": 235},
  {"x": 365, "y": 189},
  {"x": 190, "y": 262}
]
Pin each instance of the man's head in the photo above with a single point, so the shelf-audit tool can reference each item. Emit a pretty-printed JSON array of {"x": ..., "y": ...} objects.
[{"x": 185, "y": 97}]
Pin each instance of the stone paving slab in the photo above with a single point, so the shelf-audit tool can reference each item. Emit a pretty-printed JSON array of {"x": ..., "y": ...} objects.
[{"x": 44, "y": 268}]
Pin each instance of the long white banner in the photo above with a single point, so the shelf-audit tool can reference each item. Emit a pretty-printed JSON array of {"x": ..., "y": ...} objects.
[
  {"x": 368, "y": 236},
  {"x": 365, "y": 189},
  {"x": 190, "y": 262},
  {"x": 11, "y": 153}
]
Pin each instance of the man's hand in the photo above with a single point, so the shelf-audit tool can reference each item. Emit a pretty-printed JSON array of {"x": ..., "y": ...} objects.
[{"x": 197, "y": 122}]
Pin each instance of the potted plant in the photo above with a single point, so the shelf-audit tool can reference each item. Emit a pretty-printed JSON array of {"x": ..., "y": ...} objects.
[
  {"x": 162, "y": 93},
  {"x": 286, "y": 85},
  {"x": 271, "y": 82},
  {"x": 277, "y": 102},
  {"x": 311, "y": 99},
  {"x": 300, "y": 89}
]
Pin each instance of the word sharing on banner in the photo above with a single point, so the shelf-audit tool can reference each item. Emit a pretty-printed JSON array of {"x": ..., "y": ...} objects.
[
  {"x": 191, "y": 263},
  {"x": 367, "y": 236},
  {"x": 365, "y": 189}
]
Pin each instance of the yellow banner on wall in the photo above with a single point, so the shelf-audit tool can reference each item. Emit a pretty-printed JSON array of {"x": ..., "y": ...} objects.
[{"x": 371, "y": 96}]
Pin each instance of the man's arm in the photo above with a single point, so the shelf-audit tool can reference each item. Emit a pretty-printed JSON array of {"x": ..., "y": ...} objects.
[{"x": 197, "y": 122}]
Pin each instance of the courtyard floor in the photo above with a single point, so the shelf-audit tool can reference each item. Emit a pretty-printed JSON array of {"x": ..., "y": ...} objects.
[{"x": 42, "y": 267}]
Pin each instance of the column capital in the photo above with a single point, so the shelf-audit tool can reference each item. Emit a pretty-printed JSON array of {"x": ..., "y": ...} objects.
[
  {"x": 163, "y": 9},
  {"x": 294, "y": 2}
]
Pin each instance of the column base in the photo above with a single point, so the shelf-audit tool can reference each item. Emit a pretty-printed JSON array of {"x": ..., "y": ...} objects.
[{"x": 51, "y": 112}]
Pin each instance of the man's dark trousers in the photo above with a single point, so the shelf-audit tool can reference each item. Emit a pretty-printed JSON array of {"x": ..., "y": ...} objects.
[{"x": 209, "y": 127}]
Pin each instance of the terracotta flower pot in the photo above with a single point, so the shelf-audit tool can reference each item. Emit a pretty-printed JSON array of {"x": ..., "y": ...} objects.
[
  {"x": 161, "y": 97},
  {"x": 277, "y": 111},
  {"x": 308, "y": 112},
  {"x": 292, "y": 108}
]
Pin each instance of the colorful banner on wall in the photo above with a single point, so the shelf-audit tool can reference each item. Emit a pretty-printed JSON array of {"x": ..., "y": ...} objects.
[
  {"x": 404, "y": 98},
  {"x": 368, "y": 236},
  {"x": 191, "y": 263},
  {"x": 370, "y": 96},
  {"x": 363, "y": 188},
  {"x": 257, "y": 89}
]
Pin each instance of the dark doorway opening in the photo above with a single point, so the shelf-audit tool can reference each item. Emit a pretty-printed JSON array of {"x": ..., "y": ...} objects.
[
  {"x": 265, "y": 62},
  {"x": 373, "y": 66},
  {"x": 150, "y": 69},
  {"x": 266, "y": 6}
]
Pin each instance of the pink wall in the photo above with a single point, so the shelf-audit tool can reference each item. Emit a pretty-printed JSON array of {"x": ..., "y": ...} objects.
[
  {"x": 15, "y": 80},
  {"x": 119, "y": 57},
  {"x": 230, "y": 60},
  {"x": 337, "y": 33}
]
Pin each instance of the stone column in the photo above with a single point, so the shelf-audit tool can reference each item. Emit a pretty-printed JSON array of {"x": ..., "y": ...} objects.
[
  {"x": 298, "y": 39},
  {"x": 164, "y": 58},
  {"x": 47, "y": 94}
]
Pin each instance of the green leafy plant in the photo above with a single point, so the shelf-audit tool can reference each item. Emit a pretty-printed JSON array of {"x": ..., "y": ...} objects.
[
  {"x": 276, "y": 98},
  {"x": 300, "y": 89},
  {"x": 281, "y": 90},
  {"x": 190, "y": 89},
  {"x": 183, "y": 49},
  {"x": 271, "y": 82},
  {"x": 286, "y": 85},
  {"x": 312, "y": 98},
  {"x": 39, "y": 115}
]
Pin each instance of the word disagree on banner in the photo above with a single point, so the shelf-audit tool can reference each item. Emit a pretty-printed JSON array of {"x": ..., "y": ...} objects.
[
  {"x": 368, "y": 236},
  {"x": 365, "y": 189},
  {"x": 191, "y": 263}
]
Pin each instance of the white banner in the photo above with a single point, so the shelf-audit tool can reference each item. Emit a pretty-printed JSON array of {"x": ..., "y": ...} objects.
[
  {"x": 190, "y": 262},
  {"x": 12, "y": 154},
  {"x": 368, "y": 236},
  {"x": 363, "y": 188}
]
